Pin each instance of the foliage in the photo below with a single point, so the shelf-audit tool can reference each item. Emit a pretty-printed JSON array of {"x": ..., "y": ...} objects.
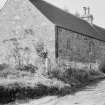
[
  {"x": 102, "y": 66},
  {"x": 16, "y": 91},
  {"x": 94, "y": 72},
  {"x": 73, "y": 76},
  {"x": 3, "y": 66},
  {"x": 28, "y": 32},
  {"x": 41, "y": 51},
  {"x": 28, "y": 68}
]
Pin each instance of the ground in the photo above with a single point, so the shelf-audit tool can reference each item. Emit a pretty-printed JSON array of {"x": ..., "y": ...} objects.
[
  {"x": 93, "y": 94},
  {"x": 75, "y": 87}
]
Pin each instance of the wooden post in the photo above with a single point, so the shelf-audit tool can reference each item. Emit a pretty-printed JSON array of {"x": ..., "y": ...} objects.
[{"x": 47, "y": 64}]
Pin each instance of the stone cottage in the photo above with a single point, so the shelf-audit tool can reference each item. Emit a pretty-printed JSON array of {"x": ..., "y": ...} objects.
[
  {"x": 66, "y": 36},
  {"x": 71, "y": 37}
]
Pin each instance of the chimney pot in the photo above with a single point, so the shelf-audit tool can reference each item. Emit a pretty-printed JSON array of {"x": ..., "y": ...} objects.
[
  {"x": 87, "y": 16},
  {"x": 88, "y": 10},
  {"x": 85, "y": 9}
]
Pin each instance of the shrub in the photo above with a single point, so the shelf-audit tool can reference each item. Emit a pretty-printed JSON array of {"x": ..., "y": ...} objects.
[
  {"x": 41, "y": 51},
  {"x": 73, "y": 76},
  {"x": 3, "y": 66},
  {"x": 102, "y": 66},
  {"x": 21, "y": 91},
  {"x": 29, "y": 68},
  {"x": 94, "y": 72},
  {"x": 64, "y": 74}
]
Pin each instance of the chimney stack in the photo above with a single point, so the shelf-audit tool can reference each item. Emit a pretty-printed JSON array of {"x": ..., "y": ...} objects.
[
  {"x": 91, "y": 19},
  {"x": 87, "y": 16},
  {"x": 85, "y": 9},
  {"x": 88, "y": 10}
]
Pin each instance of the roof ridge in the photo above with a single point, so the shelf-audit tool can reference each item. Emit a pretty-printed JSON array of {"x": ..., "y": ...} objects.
[
  {"x": 95, "y": 29},
  {"x": 67, "y": 20}
]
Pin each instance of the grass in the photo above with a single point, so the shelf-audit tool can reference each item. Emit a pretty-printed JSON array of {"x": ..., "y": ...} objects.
[
  {"x": 20, "y": 93},
  {"x": 60, "y": 81},
  {"x": 22, "y": 85},
  {"x": 19, "y": 90},
  {"x": 75, "y": 76}
]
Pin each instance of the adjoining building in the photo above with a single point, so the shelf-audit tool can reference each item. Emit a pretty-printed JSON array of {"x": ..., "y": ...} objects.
[{"x": 72, "y": 38}]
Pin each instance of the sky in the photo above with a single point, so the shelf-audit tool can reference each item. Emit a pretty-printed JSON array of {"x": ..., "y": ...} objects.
[{"x": 97, "y": 8}]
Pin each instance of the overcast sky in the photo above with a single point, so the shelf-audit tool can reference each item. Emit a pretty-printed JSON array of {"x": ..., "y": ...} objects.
[{"x": 97, "y": 8}]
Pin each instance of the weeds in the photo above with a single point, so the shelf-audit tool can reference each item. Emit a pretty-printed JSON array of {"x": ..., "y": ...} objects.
[
  {"x": 60, "y": 80},
  {"x": 74, "y": 76}
]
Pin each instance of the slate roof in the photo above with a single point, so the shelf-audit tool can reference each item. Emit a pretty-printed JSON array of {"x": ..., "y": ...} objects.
[{"x": 69, "y": 21}]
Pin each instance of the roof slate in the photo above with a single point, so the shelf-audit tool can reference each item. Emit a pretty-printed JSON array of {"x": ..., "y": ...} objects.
[{"x": 69, "y": 21}]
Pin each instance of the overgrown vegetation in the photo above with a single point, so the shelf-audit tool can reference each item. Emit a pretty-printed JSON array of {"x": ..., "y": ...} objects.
[
  {"x": 60, "y": 80},
  {"x": 3, "y": 66},
  {"x": 28, "y": 68},
  {"x": 17, "y": 92},
  {"x": 74, "y": 76},
  {"x": 102, "y": 66},
  {"x": 26, "y": 81}
]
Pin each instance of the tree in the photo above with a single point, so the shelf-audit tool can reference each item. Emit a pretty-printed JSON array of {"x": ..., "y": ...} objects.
[
  {"x": 16, "y": 52},
  {"x": 43, "y": 54}
]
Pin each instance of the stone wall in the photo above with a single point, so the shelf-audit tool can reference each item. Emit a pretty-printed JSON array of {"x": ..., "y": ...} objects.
[
  {"x": 21, "y": 19},
  {"x": 79, "y": 48}
]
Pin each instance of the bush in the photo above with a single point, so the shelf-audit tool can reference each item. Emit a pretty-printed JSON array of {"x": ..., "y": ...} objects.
[
  {"x": 29, "y": 68},
  {"x": 69, "y": 75},
  {"x": 94, "y": 72},
  {"x": 3, "y": 66},
  {"x": 73, "y": 76},
  {"x": 102, "y": 66},
  {"x": 19, "y": 91}
]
